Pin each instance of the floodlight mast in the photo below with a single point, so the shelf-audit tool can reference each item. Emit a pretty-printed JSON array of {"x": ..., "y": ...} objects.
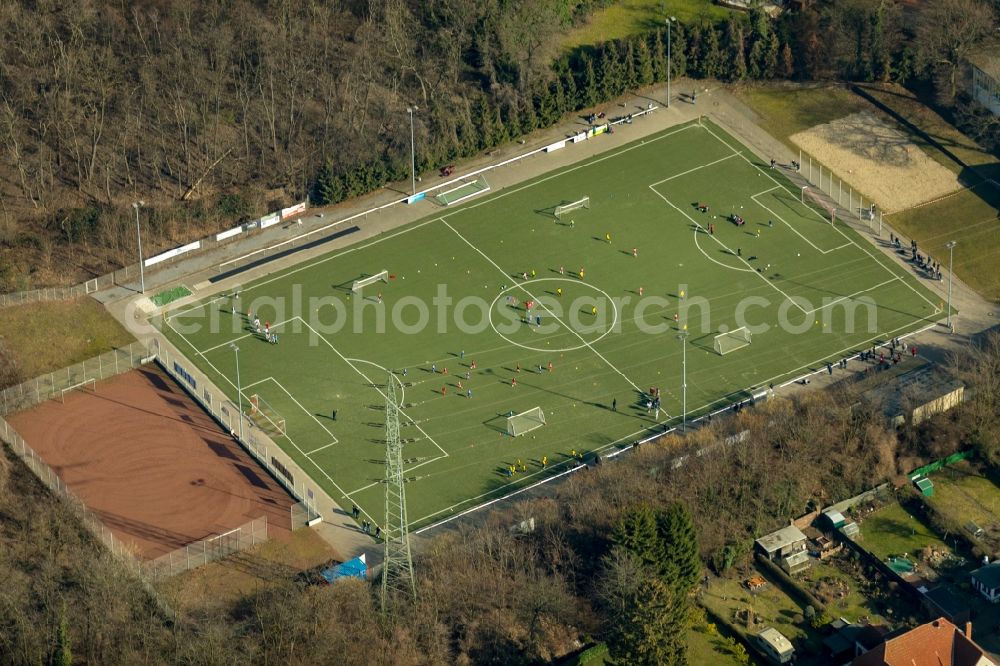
[
  {"x": 138, "y": 234},
  {"x": 239, "y": 388},
  {"x": 670, "y": 20},
  {"x": 951, "y": 255},
  {"x": 413, "y": 151}
]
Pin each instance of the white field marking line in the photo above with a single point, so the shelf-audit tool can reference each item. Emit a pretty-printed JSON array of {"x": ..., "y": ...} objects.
[
  {"x": 405, "y": 471},
  {"x": 402, "y": 386},
  {"x": 551, "y": 314},
  {"x": 814, "y": 372},
  {"x": 713, "y": 259},
  {"x": 582, "y": 165},
  {"x": 819, "y": 361},
  {"x": 723, "y": 245},
  {"x": 244, "y": 337},
  {"x": 325, "y": 446},
  {"x": 684, "y": 173},
  {"x": 852, "y": 296},
  {"x": 292, "y": 270},
  {"x": 191, "y": 345},
  {"x": 600, "y": 449},
  {"x": 368, "y": 379},
  {"x": 310, "y": 414},
  {"x": 198, "y": 306},
  {"x": 612, "y": 444},
  {"x": 290, "y": 440},
  {"x": 491, "y": 502},
  {"x": 793, "y": 229},
  {"x": 279, "y": 384},
  {"x": 848, "y": 238},
  {"x": 252, "y": 384}
]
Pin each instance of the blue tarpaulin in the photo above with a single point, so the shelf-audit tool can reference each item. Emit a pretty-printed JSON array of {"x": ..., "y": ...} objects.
[{"x": 355, "y": 568}]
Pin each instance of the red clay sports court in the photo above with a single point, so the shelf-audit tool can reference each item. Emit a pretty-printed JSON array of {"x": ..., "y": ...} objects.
[{"x": 157, "y": 470}]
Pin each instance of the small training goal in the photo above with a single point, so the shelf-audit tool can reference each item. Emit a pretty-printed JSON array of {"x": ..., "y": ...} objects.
[
  {"x": 358, "y": 285},
  {"x": 466, "y": 190},
  {"x": 266, "y": 417},
  {"x": 731, "y": 341},
  {"x": 562, "y": 209},
  {"x": 525, "y": 422}
]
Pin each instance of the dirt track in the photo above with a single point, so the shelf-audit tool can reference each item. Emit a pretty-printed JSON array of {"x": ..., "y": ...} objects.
[
  {"x": 152, "y": 464},
  {"x": 878, "y": 161}
]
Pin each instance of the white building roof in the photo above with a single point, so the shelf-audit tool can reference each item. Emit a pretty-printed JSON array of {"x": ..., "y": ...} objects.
[{"x": 786, "y": 536}]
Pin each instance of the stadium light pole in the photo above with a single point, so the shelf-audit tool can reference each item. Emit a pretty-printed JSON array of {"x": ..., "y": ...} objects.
[
  {"x": 239, "y": 387},
  {"x": 951, "y": 255},
  {"x": 138, "y": 235},
  {"x": 684, "y": 381},
  {"x": 670, "y": 21},
  {"x": 413, "y": 151}
]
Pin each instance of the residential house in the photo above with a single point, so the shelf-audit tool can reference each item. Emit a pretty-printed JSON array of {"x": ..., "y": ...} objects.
[
  {"x": 986, "y": 579},
  {"x": 788, "y": 548},
  {"x": 937, "y": 643}
]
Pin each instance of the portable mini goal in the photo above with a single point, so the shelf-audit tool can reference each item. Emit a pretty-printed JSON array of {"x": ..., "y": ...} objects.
[
  {"x": 266, "y": 417},
  {"x": 731, "y": 341},
  {"x": 358, "y": 285},
  {"x": 562, "y": 209},
  {"x": 525, "y": 422},
  {"x": 462, "y": 192}
]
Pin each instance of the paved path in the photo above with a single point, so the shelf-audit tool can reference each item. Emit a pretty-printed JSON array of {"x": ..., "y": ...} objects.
[{"x": 976, "y": 314}]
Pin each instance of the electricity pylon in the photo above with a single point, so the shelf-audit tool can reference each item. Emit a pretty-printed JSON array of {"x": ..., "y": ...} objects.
[{"x": 397, "y": 566}]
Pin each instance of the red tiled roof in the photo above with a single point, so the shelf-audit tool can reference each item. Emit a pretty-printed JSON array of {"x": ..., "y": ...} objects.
[{"x": 937, "y": 643}]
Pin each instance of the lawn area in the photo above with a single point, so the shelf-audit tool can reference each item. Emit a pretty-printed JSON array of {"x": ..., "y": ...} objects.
[
  {"x": 892, "y": 530},
  {"x": 963, "y": 495},
  {"x": 785, "y": 111},
  {"x": 703, "y": 648},
  {"x": 47, "y": 336},
  {"x": 970, "y": 217},
  {"x": 610, "y": 288},
  {"x": 773, "y": 608},
  {"x": 631, "y": 17}
]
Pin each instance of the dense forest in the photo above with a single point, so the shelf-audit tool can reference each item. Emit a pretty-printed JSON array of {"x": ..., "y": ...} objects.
[
  {"x": 616, "y": 555},
  {"x": 216, "y": 112}
]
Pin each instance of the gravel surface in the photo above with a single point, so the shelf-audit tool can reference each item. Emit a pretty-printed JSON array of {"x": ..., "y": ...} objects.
[{"x": 878, "y": 160}]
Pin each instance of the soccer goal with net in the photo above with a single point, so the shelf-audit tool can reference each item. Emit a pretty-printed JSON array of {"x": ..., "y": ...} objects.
[
  {"x": 562, "y": 209},
  {"x": 265, "y": 416},
  {"x": 815, "y": 200},
  {"x": 463, "y": 191},
  {"x": 358, "y": 285},
  {"x": 731, "y": 341},
  {"x": 525, "y": 422}
]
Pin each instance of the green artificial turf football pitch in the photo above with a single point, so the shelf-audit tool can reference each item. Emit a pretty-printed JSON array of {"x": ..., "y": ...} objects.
[{"x": 809, "y": 291}]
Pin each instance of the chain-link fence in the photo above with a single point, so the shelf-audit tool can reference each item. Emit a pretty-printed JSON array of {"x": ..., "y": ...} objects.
[
  {"x": 106, "y": 281},
  {"x": 208, "y": 550},
  {"x": 52, "y": 481},
  {"x": 255, "y": 441},
  {"x": 54, "y": 385}
]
